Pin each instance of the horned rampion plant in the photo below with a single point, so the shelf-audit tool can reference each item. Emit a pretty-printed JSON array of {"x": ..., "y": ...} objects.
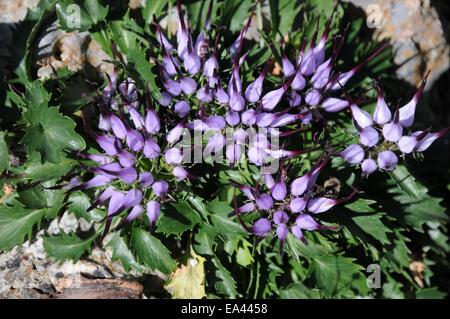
[{"x": 260, "y": 138}]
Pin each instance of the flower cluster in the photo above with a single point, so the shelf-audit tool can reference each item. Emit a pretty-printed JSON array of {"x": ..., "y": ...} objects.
[
  {"x": 307, "y": 79},
  {"x": 129, "y": 166},
  {"x": 285, "y": 203},
  {"x": 198, "y": 93},
  {"x": 392, "y": 128}
]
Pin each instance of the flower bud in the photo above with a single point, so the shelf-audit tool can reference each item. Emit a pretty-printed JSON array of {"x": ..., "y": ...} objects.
[
  {"x": 232, "y": 118},
  {"x": 145, "y": 179},
  {"x": 304, "y": 221},
  {"x": 332, "y": 104},
  {"x": 262, "y": 226},
  {"x": 368, "y": 166},
  {"x": 279, "y": 191},
  {"x": 387, "y": 160},
  {"x": 181, "y": 108},
  {"x": 271, "y": 99},
  {"x": 264, "y": 201},
  {"x": 313, "y": 97},
  {"x": 353, "y": 154},
  {"x": 173, "y": 156},
  {"x": 160, "y": 188},
  {"x": 151, "y": 148},
  {"x": 298, "y": 204},
  {"x": 153, "y": 210},
  {"x": 152, "y": 123}
]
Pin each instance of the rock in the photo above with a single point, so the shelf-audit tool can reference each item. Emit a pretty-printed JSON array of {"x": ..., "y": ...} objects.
[
  {"x": 27, "y": 272},
  {"x": 15, "y": 10},
  {"x": 75, "y": 50},
  {"x": 416, "y": 34}
]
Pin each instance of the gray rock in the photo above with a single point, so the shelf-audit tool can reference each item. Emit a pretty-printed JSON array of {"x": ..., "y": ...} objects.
[{"x": 416, "y": 34}]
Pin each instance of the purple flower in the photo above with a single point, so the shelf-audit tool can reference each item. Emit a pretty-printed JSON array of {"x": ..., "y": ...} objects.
[
  {"x": 280, "y": 217},
  {"x": 248, "y": 117},
  {"x": 298, "y": 204},
  {"x": 368, "y": 136},
  {"x": 368, "y": 166},
  {"x": 353, "y": 154},
  {"x": 332, "y": 104},
  {"x": 287, "y": 67},
  {"x": 153, "y": 210},
  {"x": 135, "y": 141},
  {"x": 221, "y": 96},
  {"x": 166, "y": 99},
  {"x": 232, "y": 118},
  {"x": 173, "y": 156},
  {"x": 205, "y": 94},
  {"x": 393, "y": 131},
  {"x": 181, "y": 108},
  {"x": 215, "y": 122},
  {"x": 262, "y": 226},
  {"x": 313, "y": 97},
  {"x": 264, "y": 201},
  {"x": 180, "y": 173},
  {"x": 426, "y": 141},
  {"x": 160, "y": 188},
  {"x": 387, "y": 160},
  {"x": 279, "y": 191},
  {"x": 187, "y": 85},
  {"x": 152, "y": 123},
  {"x": 151, "y": 148},
  {"x": 271, "y": 99},
  {"x": 406, "y": 112},
  {"x": 382, "y": 114},
  {"x": 145, "y": 179},
  {"x": 304, "y": 221},
  {"x": 174, "y": 134},
  {"x": 361, "y": 117}
]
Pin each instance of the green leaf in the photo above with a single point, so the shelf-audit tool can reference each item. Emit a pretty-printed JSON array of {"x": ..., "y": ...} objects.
[
  {"x": 235, "y": 13},
  {"x": 299, "y": 291},
  {"x": 50, "y": 133},
  {"x": 224, "y": 225},
  {"x": 151, "y": 8},
  {"x": 122, "y": 252},
  {"x": 150, "y": 251},
  {"x": 67, "y": 246},
  {"x": 392, "y": 289},
  {"x": 282, "y": 15},
  {"x": 297, "y": 248},
  {"x": 204, "y": 240},
  {"x": 418, "y": 206},
  {"x": 16, "y": 222},
  {"x": 79, "y": 202},
  {"x": 141, "y": 70},
  {"x": 36, "y": 95},
  {"x": 407, "y": 182},
  {"x": 369, "y": 220},
  {"x": 75, "y": 15},
  {"x": 430, "y": 293},
  {"x": 243, "y": 255},
  {"x": 4, "y": 156},
  {"x": 34, "y": 169},
  {"x": 224, "y": 282},
  {"x": 95, "y": 10},
  {"x": 72, "y": 16},
  {"x": 334, "y": 274},
  {"x": 177, "y": 218}
]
